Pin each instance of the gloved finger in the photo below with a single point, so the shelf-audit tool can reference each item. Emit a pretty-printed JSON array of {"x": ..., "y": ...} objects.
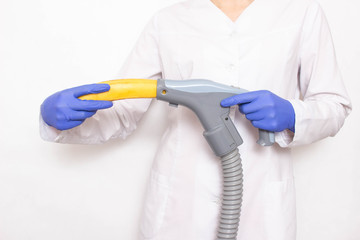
[
  {"x": 251, "y": 107},
  {"x": 262, "y": 125},
  {"x": 80, "y": 115},
  {"x": 272, "y": 126},
  {"x": 90, "y": 88},
  {"x": 89, "y": 105},
  {"x": 67, "y": 125},
  {"x": 240, "y": 98},
  {"x": 256, "y": 116}
]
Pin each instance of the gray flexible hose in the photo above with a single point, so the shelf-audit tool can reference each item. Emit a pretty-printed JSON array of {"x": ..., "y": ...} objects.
[{"x": 232, "y": 196}]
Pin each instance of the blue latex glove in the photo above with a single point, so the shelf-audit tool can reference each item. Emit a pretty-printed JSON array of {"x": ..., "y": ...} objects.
[
  {"x": 265, "y": 110},
  {"x": 63, "y": 110}
]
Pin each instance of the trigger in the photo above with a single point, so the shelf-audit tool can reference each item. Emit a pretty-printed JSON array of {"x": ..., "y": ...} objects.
[{"x": 173, "y": 105}]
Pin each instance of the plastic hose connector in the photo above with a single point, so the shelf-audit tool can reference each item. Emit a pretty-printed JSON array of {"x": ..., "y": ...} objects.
[{"x": 232, "y": 196}]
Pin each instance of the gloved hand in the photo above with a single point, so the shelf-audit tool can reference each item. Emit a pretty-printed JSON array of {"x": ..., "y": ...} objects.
[
  {"x": 63, "y": 110},
  {"x": 264, "y": 109}
]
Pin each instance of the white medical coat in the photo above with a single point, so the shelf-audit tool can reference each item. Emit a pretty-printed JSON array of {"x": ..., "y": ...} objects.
[{"x": 283, "y": 46}]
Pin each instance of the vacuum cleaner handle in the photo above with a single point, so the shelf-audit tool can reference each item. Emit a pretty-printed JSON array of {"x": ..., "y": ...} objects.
[{"x": 202, "y": 96}]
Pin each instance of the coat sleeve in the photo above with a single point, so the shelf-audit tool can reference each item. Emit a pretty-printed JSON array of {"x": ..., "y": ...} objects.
[
  {"x": 121, "y": 119},
  {"x": 324, "y": 103}
]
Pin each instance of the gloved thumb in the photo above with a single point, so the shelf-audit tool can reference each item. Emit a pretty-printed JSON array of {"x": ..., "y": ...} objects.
[{"x": 90, "y": 88}]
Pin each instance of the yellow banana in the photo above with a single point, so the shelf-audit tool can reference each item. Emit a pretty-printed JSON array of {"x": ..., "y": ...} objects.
[{"x": 125, "y": 88}]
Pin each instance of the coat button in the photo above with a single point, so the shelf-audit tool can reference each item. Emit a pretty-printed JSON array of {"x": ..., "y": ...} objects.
[
  {"x": 231, "y": 67},
  {"x": 217, "y": 200},
  {"x": 233, "y": 34}
]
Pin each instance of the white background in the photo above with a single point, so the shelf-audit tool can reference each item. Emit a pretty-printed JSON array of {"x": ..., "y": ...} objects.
[{"x": 57, "y": 191}]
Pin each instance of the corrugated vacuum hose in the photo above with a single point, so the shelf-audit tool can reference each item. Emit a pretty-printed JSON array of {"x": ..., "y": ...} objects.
[{"x": 232, "y": 196}]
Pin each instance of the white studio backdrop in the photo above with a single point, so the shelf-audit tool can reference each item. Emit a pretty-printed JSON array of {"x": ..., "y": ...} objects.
[{"x": 59, "y": 191}]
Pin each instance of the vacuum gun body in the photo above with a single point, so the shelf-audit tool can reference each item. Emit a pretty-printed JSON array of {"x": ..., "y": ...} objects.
[{"x": 203, "y": 97}]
